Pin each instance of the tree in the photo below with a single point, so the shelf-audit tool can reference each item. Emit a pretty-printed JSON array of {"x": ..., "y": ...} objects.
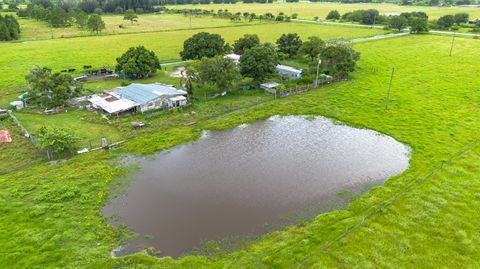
[
  {"x": 203, "y": 45},
  {"x": 219, "y": 71},
  {"x": 248, "y": 41},
  {"x": 9, "y": 28},
  {"x": 461, "y": 18},
  {"x": 81, "y": 18},
  {"x": 312, "y": 47},
  {"x": 259, "y": 62},
  {"x": 95, "y": 23},
  {"x": 446, "y": 21},
  {"x": 398, "y": 22},
  {"x": 47, "y": 89},
  {"x": 333, "y": 15},
  {"x": 370, "y": 16},
  {"x": 56, "y": 139},
  {"x": 58, "y": 17},
  {"x": 130, "y": 16},
  {"x": 289, "y": 44},
  {"x": 339, "y": 58},
  {"x": 137, "y": 62},
  {"x": 418, "y": 25}
]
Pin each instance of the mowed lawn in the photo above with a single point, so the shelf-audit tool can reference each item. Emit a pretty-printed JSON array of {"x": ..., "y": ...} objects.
[
  {"x": 425, "y": 218},
  {"x": 115, "y": 24},
  {"x": 18, "y": 58},
  {"x": 86, "y": 125},
  {"x": 307, "y": 10}
]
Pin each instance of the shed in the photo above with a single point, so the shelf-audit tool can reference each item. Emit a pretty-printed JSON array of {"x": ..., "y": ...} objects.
[
  {"x": 289, "y": 72},
  {"x": 270, "y": 87},
  {"x": 176, "y": 101}
]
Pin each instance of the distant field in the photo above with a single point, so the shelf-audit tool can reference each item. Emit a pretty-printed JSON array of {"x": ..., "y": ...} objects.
[
  {"x": 307, "y": 10},
  {"x": 35, "y": 30},
  {"x": 18, "y": 58}
]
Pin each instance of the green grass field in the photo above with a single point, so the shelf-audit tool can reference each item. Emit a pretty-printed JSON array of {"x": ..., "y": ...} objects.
[
  {"x": 19, "y": 58},
  {"x": 19, "y": 153},
  {"x": 307, "y": 10},
  {"x": 85, "y": 125},
  {"x": 424, "y": 218},
  {"x": 37, "y": 30}
]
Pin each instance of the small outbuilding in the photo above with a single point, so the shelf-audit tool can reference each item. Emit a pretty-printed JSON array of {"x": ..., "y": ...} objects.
[
  {"x": 17, "y": 104},
  {"x": 270, "y": 87},
  {"x": 289, "y": 72},
  {"x": 234, "y": 57}
]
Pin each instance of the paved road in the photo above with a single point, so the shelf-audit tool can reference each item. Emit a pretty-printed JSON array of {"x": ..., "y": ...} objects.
[
  {"x": 381, "y": 27},
  {"x": 339, "y": 23},
  {"x": 378, "y": 37},
  {"x": 451, "y": 33}
]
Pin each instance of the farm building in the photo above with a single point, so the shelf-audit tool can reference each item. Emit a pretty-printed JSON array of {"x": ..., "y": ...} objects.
[
  {"x": 111, "y": 103},
  {"x": 234, "y": 57},
  {"x": 153, "y": 96},
  {"x": 139, "y": 98},
  {"x": 289, "y": 72},
  {"x": 270, "y": 87}
]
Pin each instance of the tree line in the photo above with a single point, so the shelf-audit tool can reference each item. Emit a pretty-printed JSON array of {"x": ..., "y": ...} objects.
[
  {"x": 416, "y": 21},
  {"x": 9, "y": 28}
]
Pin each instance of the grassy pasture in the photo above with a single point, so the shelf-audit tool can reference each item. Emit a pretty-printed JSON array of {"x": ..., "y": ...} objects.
[
  {"x": 37, "y": 30},
  {"x": 18, "y": 58},
  {"x": 85, "y": 125},
  {"x": 307, "y": 10},
  {"x": 20, "y": 152},
  {"x": 425, "y": 218}
]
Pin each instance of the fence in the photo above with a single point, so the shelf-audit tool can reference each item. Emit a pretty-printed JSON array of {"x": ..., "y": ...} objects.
[
  {"x": 301, "y": 89},
  {"x": 92, "y": 146}
]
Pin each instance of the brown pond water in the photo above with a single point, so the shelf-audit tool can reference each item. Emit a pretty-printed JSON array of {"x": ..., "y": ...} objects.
[{"x": 249, "y": 180}]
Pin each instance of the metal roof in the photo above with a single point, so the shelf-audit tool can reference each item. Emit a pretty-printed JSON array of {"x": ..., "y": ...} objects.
[
  {"x": 144, "y": 93},
  {"x": 288, "y": 69},
  {"x": 111, "y": 103},
  {"x": 269, "y": 85}
]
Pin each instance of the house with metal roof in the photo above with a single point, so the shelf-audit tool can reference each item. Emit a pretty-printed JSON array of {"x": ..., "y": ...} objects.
[
  {"x": 289, "y": 72},
  {"x": 153, "y": 96},
  {"x": 139, "y": 98}
]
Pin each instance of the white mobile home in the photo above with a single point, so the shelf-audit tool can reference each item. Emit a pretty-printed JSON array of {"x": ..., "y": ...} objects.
[{"x": 289, "y": 72}]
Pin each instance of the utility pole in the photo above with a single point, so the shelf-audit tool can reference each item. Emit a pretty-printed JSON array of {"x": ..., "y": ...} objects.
[
  {"x": 318, "y": 70},
  {"x": 190, "y": 19},
  {"x": 453, "y": 40},
  {"x": 389, "y": 88}
]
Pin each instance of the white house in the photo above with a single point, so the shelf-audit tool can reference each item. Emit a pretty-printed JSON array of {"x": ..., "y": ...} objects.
[
  {"x": 234, "y": 57},
  {"x": 289, "y": 72},
  {"x": 139, "y": 98},
  {"x": 153, "y": 96}
]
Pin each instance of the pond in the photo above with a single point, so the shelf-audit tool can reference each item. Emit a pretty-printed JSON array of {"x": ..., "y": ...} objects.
[{"x": 249, "y": 180}]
